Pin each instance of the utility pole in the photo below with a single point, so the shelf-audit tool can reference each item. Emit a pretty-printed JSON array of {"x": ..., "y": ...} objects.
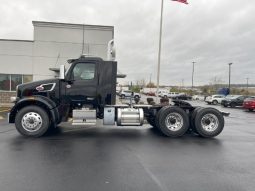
[
  {"x": 193, "y": 67},
  {"x": 229, "y": 76},
  {"x": 247, "y": 85}
]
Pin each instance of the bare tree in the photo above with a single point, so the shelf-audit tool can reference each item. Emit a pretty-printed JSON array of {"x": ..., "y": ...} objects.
[
  {"x": 216, "y": 83},
  {"x": 141, "y": 83},
  {"x": 151, "y": 85}
]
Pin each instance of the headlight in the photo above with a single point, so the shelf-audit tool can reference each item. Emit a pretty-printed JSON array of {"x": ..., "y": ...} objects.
[{"x": 13, "y": 99}]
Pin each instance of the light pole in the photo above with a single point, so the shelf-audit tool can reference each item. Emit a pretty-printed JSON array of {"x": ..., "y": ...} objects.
[
  {"x": 193, "y": 66},
  {"x": 229, "y": 76},
  {"x": 159, "y": 48}
]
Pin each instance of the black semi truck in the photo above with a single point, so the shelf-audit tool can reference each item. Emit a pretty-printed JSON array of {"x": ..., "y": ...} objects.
[{"x": 86, "y": 92}]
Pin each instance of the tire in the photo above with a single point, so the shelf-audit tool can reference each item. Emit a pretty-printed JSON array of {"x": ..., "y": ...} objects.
[
  {"x": 165, "y": 96},
  {"x": 206, "y": 117},
  {"x": 158, "y": 114},
  {"x": 136, "y": 97},
  {"x": 151, "y": 121},
  {"x": 224, "y": 105},
  {"x": 149, "y": 100},
  {"x": 233, "y": 105},
  {"x": 32, "y": 121},
  {"x": 250, "y": 109},
  {"x": 215, "y": 102},
  {"x": 193, "y": 117},
  {"x": 173, "y": 122},
  {"x": 122, "y": 96}
]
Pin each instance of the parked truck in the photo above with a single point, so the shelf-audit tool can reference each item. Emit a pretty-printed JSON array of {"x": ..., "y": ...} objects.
[{"x": 86, "y": 92}]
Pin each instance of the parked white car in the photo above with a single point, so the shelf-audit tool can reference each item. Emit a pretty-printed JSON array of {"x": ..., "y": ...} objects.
[
  {"x": 127, "y": 93},
  {"x": 162, "y": 93},
  {"x": 215, "y": 99},
  {"x": 168, "y": 94},
  {"x": 198, "y": 97},
  {"x": 173, "y": 94}
]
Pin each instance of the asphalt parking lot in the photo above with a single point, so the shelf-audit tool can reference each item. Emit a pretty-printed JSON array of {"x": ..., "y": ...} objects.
[{"x": 130, "y": 158}]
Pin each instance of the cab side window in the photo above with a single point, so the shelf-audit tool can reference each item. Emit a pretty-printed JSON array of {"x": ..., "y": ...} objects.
[{"x": 84, "y": 71}]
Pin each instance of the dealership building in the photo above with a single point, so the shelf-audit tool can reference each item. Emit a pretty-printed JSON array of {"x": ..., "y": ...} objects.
[{"x": 24, "y": 61}]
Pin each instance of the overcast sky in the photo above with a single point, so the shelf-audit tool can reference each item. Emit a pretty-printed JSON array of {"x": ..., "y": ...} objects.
[{"x": 209, "y": 32}]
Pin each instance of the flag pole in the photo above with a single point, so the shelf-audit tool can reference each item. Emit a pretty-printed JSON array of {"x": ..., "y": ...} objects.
[{"x": 159, "y": 49}]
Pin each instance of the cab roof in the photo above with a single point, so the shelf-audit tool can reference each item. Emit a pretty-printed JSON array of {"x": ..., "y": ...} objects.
[{"x": 84, "y": 57}]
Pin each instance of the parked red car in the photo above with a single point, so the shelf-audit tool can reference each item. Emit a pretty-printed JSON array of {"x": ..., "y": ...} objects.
[
  {"x": 249, "y": 104},
  {"x": 151, "y": 94}
]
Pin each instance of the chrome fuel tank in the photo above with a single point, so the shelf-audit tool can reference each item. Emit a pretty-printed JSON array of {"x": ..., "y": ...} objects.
[{"x": 130, "y": 117}]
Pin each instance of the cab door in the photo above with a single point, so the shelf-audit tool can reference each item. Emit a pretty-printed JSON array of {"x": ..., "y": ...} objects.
[{"x": 81, "y": 88}]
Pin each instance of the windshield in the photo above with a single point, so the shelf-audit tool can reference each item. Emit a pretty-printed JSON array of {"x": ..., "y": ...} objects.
[
  {"x": 68, "y": 67},
  {"x": 231, "y": 96}
]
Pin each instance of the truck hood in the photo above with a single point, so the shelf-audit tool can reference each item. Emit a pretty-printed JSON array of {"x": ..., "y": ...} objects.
[{"x": 37, "y": 87}]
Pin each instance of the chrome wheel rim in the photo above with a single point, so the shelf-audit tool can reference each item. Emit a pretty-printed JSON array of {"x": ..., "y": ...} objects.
[
  {"x": 174, "y": 121},
  {"x": 31, "y": 121},
  {"x": 210, "y": 122}
]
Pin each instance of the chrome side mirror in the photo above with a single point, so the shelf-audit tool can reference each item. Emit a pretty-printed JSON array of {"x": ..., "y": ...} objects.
[{"x": 62, "y": 72}]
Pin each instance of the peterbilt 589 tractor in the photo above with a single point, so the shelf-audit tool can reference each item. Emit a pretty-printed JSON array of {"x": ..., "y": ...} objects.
[{"x": 86, "y": 92}]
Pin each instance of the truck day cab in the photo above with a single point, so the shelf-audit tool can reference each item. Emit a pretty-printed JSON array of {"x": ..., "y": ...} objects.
[{"x": 87, "y": 92}]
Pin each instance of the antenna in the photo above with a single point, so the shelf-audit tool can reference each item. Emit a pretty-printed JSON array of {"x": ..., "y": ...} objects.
[{"x": 57, "y": 59}]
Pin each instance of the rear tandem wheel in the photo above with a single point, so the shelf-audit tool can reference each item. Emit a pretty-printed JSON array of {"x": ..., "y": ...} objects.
[
  {"x": 209, "y": 122},
  {"x": 172, "y": 121}
]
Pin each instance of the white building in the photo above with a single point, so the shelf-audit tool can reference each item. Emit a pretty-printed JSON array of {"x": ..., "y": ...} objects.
[{"x": 23, "y": 60}]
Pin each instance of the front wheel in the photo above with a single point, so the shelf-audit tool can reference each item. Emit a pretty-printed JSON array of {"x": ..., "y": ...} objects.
[
  {"x": 32, "y": 121},
  {"x": 233, "y": 105},
  {"x": 215, "y": 102}
]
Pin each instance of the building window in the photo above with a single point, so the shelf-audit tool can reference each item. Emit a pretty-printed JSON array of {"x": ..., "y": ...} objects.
[
  {"x": 27, "y": 78},
  {"x": 16, "y": 79},
  {"x": 8, "y": 82},
  {"x": 4, "y": 82}
]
